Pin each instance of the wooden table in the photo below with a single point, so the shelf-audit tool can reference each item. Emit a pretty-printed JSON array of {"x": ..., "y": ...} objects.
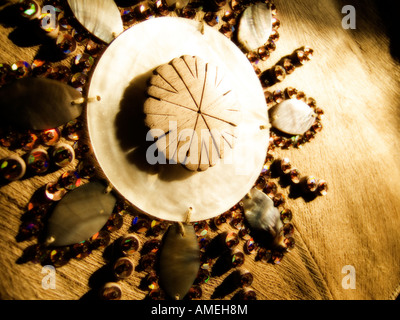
[{"x": 354, "y": 77}]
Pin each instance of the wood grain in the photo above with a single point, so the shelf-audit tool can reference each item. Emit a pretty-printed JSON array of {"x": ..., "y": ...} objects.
[{"x": 355, "y": 79}]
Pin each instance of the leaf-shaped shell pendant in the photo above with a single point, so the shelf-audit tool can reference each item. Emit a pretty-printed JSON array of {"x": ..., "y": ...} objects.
[
  {"x": 195, "y": 111},
  {"x": 255, "y": 26},
  {"x": 80, "y": 214},
  {"x": 179, "y": 260},
  {"x": 100, "y": 17},
  {"x": 260, "y": 212},
  {"x": 292, "y": 116},
  {"x": 38, "y": 103}
]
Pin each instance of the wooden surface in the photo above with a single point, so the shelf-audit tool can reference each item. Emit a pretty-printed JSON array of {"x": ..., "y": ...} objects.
[{"x": 354, "y": 76}]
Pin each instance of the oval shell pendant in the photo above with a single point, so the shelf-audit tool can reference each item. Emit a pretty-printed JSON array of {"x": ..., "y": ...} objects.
[
  {"x": 292, "y": 116},
  {"x": 38, "y": 103},
  {"x": 260, "y": 212},
  {"x": 179, "y": 260},
  {"x": 255, "y": 26},
  {"x": 100, "y": 17},
  {"x": 80, "y": 214}
]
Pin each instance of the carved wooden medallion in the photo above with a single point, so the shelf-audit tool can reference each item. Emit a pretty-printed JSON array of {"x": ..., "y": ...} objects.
[{"x": 195, "y": 112}]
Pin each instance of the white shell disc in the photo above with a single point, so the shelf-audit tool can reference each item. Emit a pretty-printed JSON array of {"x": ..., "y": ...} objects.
[
  {"x": 118, "y": 133},
  {"x": 292, "y": 116},
  {"x": 100, "y": 17},
  {"x": 255, "y": 26}
]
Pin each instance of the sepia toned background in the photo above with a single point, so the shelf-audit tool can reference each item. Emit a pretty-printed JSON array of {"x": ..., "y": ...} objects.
[{"x": 354, "y": 77}]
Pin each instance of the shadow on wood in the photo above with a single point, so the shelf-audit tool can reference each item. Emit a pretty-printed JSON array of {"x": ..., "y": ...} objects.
[{"x": 229, "y": 285}]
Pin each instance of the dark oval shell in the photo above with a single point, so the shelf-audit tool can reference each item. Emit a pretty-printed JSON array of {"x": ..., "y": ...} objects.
[
  {"x": 80, "y": 214},
  {"x": 38, "y": 103},
  {"x": 179, "y": 261}
]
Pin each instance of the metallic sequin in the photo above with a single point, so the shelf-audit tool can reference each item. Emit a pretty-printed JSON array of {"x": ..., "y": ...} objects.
[
  {"x": 129, "y": 244},
  {"x": 111, "y": 291},
  {"x": 12, "y": 168},
  {"x": 231, "y": 239},
  {"x": 123, "y": 268},
  {"x": 21, "y": 69},
  {"x": 70, "y": 180},
  {"x": 286, "y": 215},
  {"x": 66, "y": 43},
  {"x": 54, "y": 192},
  {"x": 50, "y": 137},
  {"x": 38, "y": 160},
  {"x": 63, "y": 154}
]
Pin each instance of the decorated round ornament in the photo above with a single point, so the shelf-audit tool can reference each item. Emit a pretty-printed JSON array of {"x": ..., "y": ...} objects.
[{"x": 127, "y": 153}]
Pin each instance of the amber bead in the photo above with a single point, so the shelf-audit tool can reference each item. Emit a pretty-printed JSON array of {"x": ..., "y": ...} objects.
[
  {"x": 285, "y": 165},
  {"x": 277, "y": 257},
  {"x": 230, "y": 17},
  {"x": 237, "y": 258},
  {"x": 211, "y": 18},
  {"x": 152, "y": 246},
  {"x": 100, "y": 240},
  {"x": 81, "y": 250},
  {"x": 195, "y": 292},
  {"x": 263, "y": 255},
  {"x": 260, "y": 183},
  {"x": 248, "y": 294},
  {"x": 322, "y": 187},
  {"x": 279, "y": 199},
  {"x": 286, "y": 215},
  {"x": 140, "y": 225},
  {"x": 270, "y": 189},
  {"x": 227, "y": 30},
  {"x": 161, "y": 7},
  {"x": 245, "y": 279},
  {"x": 115, "y": 222},
  {"x": 231, "y": 239},
  {"x": 294, "y": 175},
  {"x": 263, "y": 53},
  {"x": 288, "y": 230},
  {"x": 278, "y": 96},
  {"x": 291, "y": 92},
  {"x": 148, "y": 261}
]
